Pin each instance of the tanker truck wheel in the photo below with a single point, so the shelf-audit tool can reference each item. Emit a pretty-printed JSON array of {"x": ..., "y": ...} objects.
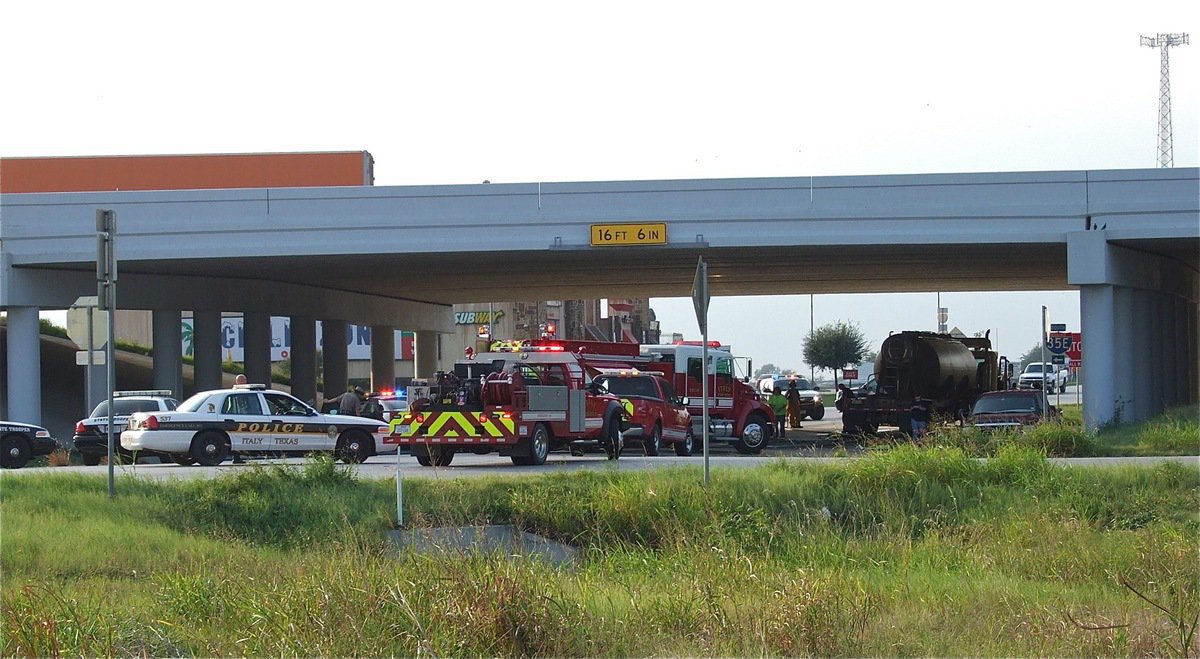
[{"x": 754, "y": 436}]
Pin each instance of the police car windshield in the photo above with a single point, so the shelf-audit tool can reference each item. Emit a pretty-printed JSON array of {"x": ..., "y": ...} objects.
[{"x": 127, "y": 406}]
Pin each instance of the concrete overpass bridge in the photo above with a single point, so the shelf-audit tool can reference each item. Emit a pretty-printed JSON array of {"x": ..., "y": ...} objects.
[{"x": 398, "y": 257}]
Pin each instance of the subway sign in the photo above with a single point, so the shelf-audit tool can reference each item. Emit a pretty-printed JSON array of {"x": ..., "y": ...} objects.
[{"x": 477, "y": 317}]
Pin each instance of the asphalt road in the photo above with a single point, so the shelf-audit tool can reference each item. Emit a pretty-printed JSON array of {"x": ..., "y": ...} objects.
[{"x": 812, "y": 443}]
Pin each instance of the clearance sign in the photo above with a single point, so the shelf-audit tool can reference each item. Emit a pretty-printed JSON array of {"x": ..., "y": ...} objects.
[{"x": 610, "y": 235}]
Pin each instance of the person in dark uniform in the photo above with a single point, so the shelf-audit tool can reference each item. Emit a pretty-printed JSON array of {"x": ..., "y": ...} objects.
[{"x": 918, "y": 413}]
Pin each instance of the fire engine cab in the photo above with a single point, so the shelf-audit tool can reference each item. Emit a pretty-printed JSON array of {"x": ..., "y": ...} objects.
[{"x": 522, "y": 402}]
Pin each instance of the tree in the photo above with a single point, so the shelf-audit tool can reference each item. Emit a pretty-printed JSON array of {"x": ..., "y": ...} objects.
[
  {"x": 1034, "y": 354},
  {"x": 834, "y": 346},
  {"x": 766, "y": 369}
]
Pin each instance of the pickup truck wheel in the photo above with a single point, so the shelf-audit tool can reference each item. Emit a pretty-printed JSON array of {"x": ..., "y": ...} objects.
[
  {"x": 16, "y": 452},
  {"x": 210, "y": 448},
  {"x": 684, "y": 448},
  {"x": 354, "y": 447},
  {"x": 818, "y": 413},
  {"x": 653, "y": 444},
  {"x": 754, "y": 435}
]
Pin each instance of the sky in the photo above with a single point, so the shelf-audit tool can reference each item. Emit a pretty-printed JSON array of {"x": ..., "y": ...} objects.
[{"x": 463, "y": 92}]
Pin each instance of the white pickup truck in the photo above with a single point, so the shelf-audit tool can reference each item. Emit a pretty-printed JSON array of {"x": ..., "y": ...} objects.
[{"x": 1054, "y": 377}]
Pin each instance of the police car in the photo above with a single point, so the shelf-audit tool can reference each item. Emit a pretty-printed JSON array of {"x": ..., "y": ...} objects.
[
  {"x": 250, "y": 419},
  {"x": 21, "y": 441},
  {"x": 91, "y": 434}
]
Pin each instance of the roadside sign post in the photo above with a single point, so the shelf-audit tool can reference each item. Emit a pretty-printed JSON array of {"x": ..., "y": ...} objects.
[
  {"x": 83, "y": 326},
  {"x": 700, "y": 298},
  {"x": 106, "y": 285},
  {"x": 1045, "y": 401}
]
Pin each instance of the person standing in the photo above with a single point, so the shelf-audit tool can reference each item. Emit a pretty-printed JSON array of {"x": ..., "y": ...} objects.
[
  {"x": 778, "y": 403},
  {"x": 918, "y": 414},
  {"x": 843, "y": 393},
  {"x": 240, "y": 378},
  {"x": 350, "y": 401},
  {"x": 795, "y": 405}
]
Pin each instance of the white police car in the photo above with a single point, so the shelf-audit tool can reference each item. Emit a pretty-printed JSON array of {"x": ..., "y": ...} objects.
[
  {"x": 250, "y": 419},
  {"x": 21, "y": 441},
  {"x": 91, "y": 434}
]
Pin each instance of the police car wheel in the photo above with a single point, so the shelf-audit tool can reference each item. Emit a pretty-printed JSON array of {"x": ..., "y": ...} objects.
[
  {"x": 90, "y": 459},
  {"x": 210, "y": 449},
  {"x": 353, "y": 447},
  {"x": 182, "y": 459},
  {"x": 16, "y": 452}
]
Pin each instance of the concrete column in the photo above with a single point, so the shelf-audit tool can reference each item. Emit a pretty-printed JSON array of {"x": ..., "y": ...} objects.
[
  {"x": 333, "y": 357},
  {"x": 1123, "y": 353},
  {"x": 166, "y": 328},
  {"x": 25, "y": 365},
  {"x": 1168, "y": 359},
  {"x": 304, "y": 358},
  {"x": 1097, "y": 312},
  {"x": 425, "y": 354},
  {"x": 1144, "y": 369},
  {"x": 257, "y": 329},
  {"x": 383, "y": 357},
  {"x": 1192, "y": 317},
  {"x": 206, "y": 350}
]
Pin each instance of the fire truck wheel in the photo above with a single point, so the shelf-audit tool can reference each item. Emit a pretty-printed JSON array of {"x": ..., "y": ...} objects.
[
  {"x": 818, "y": 413},
  {"x": 754, "y": 436},
  {"x": 423, "y": 459},
  {"x": 354, "y": 447},
  {"x": 539, "y": 447},
  {"x": 653, "y": 444},
  {"x": 440, "y": 456},
  {"x": 210, "y": 448},
  {"x": 684, "y": 448}
]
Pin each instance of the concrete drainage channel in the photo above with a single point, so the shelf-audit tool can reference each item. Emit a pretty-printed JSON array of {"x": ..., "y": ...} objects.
[{"x": 501, "y": 539}]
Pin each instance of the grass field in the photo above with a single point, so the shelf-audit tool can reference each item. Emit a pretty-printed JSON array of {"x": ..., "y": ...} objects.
[{"x": 906, "y": 552}]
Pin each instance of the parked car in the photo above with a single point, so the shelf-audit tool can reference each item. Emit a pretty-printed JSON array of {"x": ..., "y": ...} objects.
[
  {"x": 250, "y": 419},
  {"x": 91, "y": 434},
  {"x": 19, "y": 442},
  {"x": 656, "y": 414},
  {"x": 1041, "y": 374},
  {"x": 1013, "y": 408},
  {"x": 810, "y": 396}
]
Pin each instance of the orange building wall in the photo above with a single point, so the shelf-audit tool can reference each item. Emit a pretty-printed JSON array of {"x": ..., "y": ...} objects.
[{"x": 185, "y": 172}]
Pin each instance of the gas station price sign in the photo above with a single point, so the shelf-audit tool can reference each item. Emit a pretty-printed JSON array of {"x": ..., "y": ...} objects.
[{"x": 610, "y": 235}]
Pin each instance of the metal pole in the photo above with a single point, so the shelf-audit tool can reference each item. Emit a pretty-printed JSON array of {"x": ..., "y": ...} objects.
[
  {"x": 812, "y": 370},
  {"x": 91, "y": 347},
  {"x": 704, "y": 375},
  {"x": 1045, "y": 401},
  {"x": 399, "y": 492}
]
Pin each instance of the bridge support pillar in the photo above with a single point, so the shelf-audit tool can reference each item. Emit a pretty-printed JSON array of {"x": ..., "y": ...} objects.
[
  {"x": 206, "y": 350},
  {"x": 24, "y": 365},
  {"x": 167, "y": 334},
  {"x": 425, "y": 354},
  {"x": 383, "y": 357},
  {"x": 257, "y": 349},
  {"x": 304, "y": 358},
  {"x": 333, "y": 357}
]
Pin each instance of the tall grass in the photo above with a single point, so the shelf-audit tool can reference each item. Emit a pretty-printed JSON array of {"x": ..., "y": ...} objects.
[{"x": 907, "y": 552}]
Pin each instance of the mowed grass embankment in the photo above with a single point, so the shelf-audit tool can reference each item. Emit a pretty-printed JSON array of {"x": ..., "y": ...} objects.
[{"x": 907, "y": 552}]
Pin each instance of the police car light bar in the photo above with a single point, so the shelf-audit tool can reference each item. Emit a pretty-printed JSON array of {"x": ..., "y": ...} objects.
[{"x": 142, "y": 392}]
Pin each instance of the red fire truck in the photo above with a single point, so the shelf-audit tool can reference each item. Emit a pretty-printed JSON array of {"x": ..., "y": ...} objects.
[
  {"x": 737, "y": 413},
  {"x": 521, "y": 403}
]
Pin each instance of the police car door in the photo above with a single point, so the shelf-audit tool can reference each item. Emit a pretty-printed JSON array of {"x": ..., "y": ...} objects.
[
  {"x": 246, "y": 422},
  {"x": 288, "y": 418}
]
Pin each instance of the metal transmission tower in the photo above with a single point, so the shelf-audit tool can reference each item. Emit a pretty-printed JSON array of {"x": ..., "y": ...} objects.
[{"x": 1166, "y": 155}]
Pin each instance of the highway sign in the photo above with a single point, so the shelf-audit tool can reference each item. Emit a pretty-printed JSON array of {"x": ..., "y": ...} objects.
[
  {"x": 608, "y": 235},
  {"x": 77, "y": 323},
  {"x": 1075, "y": 352},
  {"x": 700, "y": 296},
  {"x": 1059, "y": 343},
  {"x": 1058, "y": 359},
  {"x": 81, "y": 358},
  {"x": 1058, "y": 327}
]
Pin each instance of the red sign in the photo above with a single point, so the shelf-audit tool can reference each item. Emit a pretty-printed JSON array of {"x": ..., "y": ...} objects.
[
  {"x": 850, "y": 373},
  {"x": 1075, "y": 352}
]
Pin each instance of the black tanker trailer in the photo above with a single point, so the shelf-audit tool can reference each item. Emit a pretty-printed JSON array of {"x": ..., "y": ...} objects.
[{"x": 950, "y": 372}]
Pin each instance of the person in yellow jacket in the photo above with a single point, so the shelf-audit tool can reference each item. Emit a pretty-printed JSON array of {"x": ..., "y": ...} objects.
[
  {"x": 795, "y": 405},
  {"x": 779, "y": 403}
]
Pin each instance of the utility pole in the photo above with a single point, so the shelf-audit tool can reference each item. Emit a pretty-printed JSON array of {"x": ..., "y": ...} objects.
[{"x": 1166, "y": 155}]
